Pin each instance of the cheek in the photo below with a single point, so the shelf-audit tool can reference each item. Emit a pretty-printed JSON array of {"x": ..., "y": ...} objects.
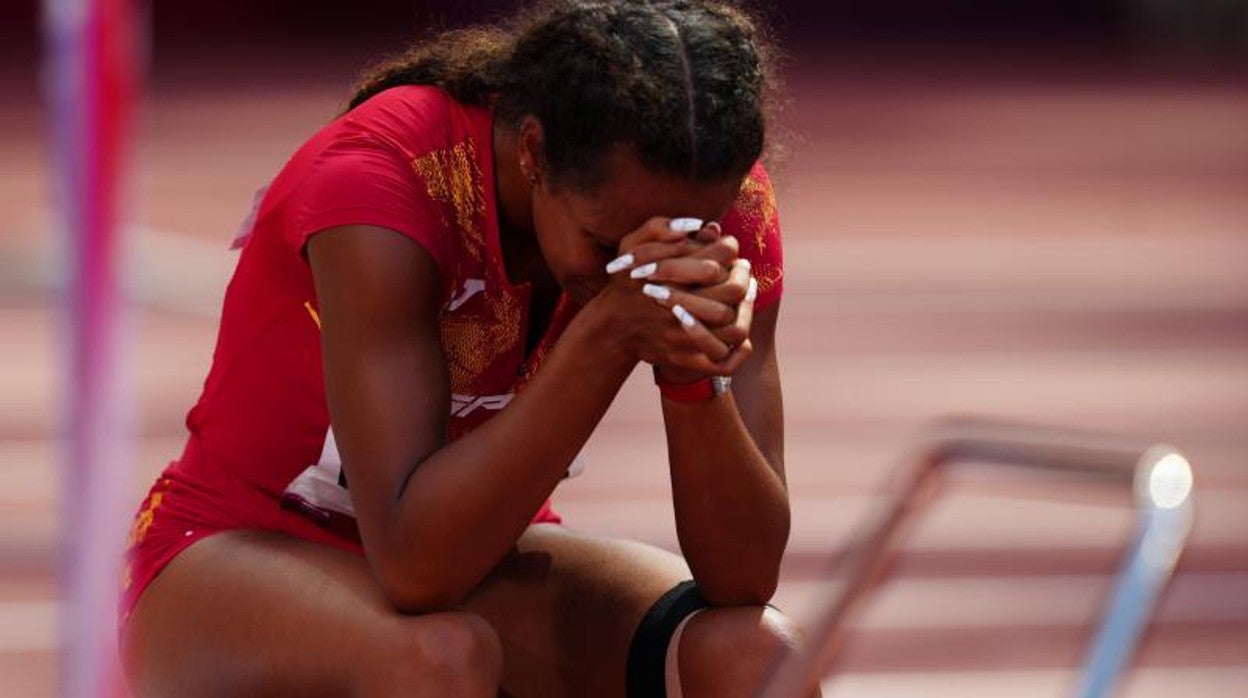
[
  {"x": 564, "y": 257},
  {"x": 580, "y": 270},
  {"x": 569, "y": 254},
  {"x": 589, "y": 261},
  {"x": 586, "y": 280},
  {"x": 552, "y": 233}
]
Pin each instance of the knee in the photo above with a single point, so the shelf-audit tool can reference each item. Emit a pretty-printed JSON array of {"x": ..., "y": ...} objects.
[
  {"x": 438, "y": 654},
  {"x": 459, "y": 644},
  {"x": 740, "y": 633},
  {"x": 729, "y": 651}
]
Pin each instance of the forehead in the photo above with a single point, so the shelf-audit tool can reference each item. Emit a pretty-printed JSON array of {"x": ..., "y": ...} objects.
[{"x": 632, "y": 194}]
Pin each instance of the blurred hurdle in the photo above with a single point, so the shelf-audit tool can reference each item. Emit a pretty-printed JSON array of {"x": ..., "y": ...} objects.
[
  {"x": 1161, "y": 479},
  {"x": 90, "y": 78}
]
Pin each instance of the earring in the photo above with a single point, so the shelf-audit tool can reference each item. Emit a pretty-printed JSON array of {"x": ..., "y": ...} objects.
[{"x": 528, "y": 173}]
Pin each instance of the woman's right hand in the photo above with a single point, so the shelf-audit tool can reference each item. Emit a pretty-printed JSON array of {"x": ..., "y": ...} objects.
[{"x": 663, "y": 254}]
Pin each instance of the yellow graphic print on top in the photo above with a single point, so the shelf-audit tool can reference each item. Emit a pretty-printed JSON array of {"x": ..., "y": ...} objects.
[
  {"x": 471, "y": 340},
  {"x": 452, "y": 177},
  {"x": 756, "y": 203},
  {"x": 316, "y": 317}
]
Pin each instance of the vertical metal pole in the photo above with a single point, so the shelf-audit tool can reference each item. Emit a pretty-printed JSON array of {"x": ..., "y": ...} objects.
[{"x": 90, "y": 83}]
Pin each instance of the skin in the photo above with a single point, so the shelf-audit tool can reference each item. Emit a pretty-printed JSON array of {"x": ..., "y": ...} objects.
[{"x": 457, "y": 588}]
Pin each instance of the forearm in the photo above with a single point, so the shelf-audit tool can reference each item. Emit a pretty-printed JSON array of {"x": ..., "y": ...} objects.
[
  {"x": 464, "y": 506},
  {"x": 732, "y": 510}
]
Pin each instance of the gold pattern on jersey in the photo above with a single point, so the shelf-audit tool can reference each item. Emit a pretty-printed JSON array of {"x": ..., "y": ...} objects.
[
  {"x": 472, "y": 341},
  {"x": 316, "y": 317},
  {"x": 767, "y": 275},
  {"x": 453, "y": 178},
  {"x": 756, "y": 204}
]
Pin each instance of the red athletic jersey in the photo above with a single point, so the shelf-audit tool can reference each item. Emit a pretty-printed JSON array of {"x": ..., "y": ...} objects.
[{"x": 261, "y": 452}]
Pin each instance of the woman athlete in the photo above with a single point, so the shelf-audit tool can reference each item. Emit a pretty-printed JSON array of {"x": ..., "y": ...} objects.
[{"x": 361, "y": 507}]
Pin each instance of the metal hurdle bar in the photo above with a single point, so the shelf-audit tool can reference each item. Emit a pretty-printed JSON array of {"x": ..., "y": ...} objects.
[{"x": 1160, "y": 476}]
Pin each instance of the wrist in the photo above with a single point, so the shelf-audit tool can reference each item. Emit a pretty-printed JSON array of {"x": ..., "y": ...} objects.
[
  {"x": 669, "y": 374},
  {"x": 598, "y": 334},
  {"x": 700, "y": 390}
]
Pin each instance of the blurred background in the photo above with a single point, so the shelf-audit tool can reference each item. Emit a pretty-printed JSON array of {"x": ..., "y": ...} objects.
[{"x": 1035, "y": 209}]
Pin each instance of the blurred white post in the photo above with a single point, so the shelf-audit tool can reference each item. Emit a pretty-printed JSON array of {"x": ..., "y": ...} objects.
[{"x": 90, "y": 78}]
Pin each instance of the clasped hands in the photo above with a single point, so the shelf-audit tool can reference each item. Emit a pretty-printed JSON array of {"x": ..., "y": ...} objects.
[{"x": 685, "y": 298}]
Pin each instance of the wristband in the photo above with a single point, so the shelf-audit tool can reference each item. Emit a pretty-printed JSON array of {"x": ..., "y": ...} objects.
[{"x": 697, "y": 391}]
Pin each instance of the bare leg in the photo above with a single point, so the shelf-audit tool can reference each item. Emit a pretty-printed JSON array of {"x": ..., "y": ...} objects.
[
  {"x": 248, "y": 613},
  {"x": 746, "y": 640},
  {"x": 566, "y": 606}
]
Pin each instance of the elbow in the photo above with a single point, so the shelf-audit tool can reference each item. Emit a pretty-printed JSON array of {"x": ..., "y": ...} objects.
[
  {"x": 415, "y": 588},
  {"x": 763, "y": 591},
  {"x": 415, "y": 597},
  {"x": 753, "y": 578},
  {"x": 415, "y": 572}
]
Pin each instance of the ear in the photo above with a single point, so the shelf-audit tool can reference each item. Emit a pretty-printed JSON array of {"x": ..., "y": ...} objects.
[{"x": 529, "y": 145}]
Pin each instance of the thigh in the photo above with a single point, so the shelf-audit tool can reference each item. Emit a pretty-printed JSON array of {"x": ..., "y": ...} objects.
[
  {"x": 565, "y": 606},
  {"x": 251, "y": 613}
]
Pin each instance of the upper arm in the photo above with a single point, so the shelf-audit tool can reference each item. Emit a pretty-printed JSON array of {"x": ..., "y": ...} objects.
[{"x": 379, "y": 296}]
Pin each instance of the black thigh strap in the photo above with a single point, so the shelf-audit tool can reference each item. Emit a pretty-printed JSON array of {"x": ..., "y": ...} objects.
[{"x": 647, "y": 655}]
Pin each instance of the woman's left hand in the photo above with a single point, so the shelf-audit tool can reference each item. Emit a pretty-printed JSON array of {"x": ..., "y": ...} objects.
[{"x": 725, "y": 309}]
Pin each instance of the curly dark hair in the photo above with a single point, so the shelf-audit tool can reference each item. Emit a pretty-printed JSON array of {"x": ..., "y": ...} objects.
[{"x": 685, "y": 83}]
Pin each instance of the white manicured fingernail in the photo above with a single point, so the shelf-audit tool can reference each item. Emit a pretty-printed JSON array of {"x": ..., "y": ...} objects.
[
  {"x": 685, "y": 225},
  {"x": 751, "y": 292},
  {"x": 747, "y": 264},
  {"x": 657, "y": 292},
  {"x": 644, "y": 271},
  {"x": 683, "y": 315},
  {"x": 620, "y": 263}
]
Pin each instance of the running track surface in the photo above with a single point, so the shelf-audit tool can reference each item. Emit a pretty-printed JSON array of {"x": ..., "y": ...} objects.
[{"x": 1061, "y": 243}]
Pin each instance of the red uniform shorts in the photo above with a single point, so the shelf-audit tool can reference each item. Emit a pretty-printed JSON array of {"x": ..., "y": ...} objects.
[{"x": 179, "y": 510}]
